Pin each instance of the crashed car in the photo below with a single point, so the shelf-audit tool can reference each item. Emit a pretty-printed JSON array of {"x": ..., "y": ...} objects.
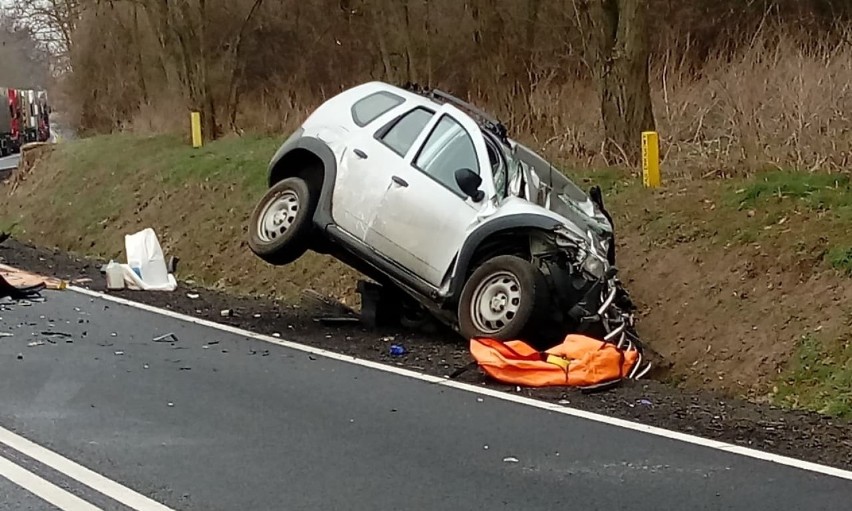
[{"x": 425, "y": 193}]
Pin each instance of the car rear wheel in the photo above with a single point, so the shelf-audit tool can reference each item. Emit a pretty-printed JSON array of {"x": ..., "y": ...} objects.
[
  {"x": 281, "y": 224},
  {"x": 503, "y": 300}
]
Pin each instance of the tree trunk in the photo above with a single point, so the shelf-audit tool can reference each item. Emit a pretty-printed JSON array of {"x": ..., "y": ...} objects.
[{"x": 620, "y": 55}]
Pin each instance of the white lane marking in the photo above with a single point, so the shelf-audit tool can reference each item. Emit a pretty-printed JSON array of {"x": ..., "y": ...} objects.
[
  {"x": 552, "y": 407},
  {"x": 43, "y": 489},
  {"x": 80, "y": 473}
]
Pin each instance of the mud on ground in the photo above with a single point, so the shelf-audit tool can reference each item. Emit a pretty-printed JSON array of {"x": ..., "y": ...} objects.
[{"x": 807, "y": 436}]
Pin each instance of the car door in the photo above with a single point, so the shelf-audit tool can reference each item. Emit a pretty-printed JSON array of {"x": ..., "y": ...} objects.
[
  {"x": 423, "y": 217},
  {"x": 367, "y": 165}
]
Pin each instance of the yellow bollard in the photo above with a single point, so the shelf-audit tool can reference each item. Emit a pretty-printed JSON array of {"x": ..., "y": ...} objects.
[
  {"x": 651, "y": 159},
  {"x": 195, "y": 120}
]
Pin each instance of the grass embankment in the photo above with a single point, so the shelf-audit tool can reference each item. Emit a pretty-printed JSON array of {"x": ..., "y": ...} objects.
[{"x": 743, "y": 282}]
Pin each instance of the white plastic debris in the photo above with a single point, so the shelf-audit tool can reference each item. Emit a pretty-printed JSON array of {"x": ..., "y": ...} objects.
[
  {"x": 114, "y": 276},
  {"x": 510, "y": 459},
  {"x": 146, "y": 266}
]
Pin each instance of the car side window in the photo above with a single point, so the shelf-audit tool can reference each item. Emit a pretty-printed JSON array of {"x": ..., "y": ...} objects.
[
  {"x": 447, "y": 149},
  {"x": 368, "y": 109},
  {"x": 402, "y": 133}
]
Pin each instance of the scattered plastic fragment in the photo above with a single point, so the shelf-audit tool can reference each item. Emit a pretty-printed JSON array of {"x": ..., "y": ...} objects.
[
  {"x": 35, "y": 343},
  {"x": 564, "y": 402},
  {"x": 479, "y": 400},
  {"x": 226, "y": 313},
  {"x": 645, "y": 402},
  {"x": 335, "y": 320},
  {"x": 169, "y": 337},
  {"x": 485, "y": 447},
  {"x": 510, "y": 459},
  {"x": 6, "y": 334},
  {"x": 54, "y": 334},
  {"x": 276, "y": 334},
  {"x": 170, "y": 404},
  {"x": 193, "y": 296},
  {"x": 119, "y": 353},
  {"x": 397, "y": 350},
  {"x": 145, "y": 366},
  {"x": 257, "y": 315}
]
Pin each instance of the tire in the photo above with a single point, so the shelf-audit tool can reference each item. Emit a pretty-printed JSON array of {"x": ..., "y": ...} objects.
[
  {"x": 506, "y": 298},
  {"x": 280, "y": 239}
]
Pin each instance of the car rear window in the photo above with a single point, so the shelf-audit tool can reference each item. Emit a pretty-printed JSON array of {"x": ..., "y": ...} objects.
[
  {"x": 370, "y": 108},
  {"x": 402, "y": 134}
]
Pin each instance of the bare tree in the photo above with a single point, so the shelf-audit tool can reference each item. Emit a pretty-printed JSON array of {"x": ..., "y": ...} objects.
[
  {"x": 22, "y": 62},
  {"x": 617, "y": 45}
]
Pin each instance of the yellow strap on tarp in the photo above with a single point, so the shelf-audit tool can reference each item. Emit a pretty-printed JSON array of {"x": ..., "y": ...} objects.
[{"x": 561, "y": 362}]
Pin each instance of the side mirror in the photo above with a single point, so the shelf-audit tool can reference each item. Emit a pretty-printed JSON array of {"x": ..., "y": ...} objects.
[{"x": 469, "y": 183}]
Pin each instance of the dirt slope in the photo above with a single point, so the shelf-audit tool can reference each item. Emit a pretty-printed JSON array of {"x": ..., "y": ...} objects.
[{"x": 739, "y": 280}]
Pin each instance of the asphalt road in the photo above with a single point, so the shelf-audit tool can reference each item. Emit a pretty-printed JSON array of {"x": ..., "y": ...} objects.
[{"x": 217, "y": 421}]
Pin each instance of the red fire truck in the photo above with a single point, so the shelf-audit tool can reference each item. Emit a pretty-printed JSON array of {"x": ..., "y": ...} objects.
[{"x": 24, "y": 117}]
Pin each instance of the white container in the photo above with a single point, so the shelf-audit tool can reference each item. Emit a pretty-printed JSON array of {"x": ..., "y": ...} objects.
[{"x": 114, "y": 276}]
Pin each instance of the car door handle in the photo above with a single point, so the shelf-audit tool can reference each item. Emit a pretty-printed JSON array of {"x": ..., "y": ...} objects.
[
  {"x": 400, "y": 181},
  {"x": 360, "y": 154}
]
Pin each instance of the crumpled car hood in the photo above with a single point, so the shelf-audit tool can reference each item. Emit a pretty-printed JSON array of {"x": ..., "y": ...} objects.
[{"x": 537, "y": 181}]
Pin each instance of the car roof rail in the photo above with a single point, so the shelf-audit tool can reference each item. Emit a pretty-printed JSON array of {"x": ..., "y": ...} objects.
[{"x": 485, "y": 120}]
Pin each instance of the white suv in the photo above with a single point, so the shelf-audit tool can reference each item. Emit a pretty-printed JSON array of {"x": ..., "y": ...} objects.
[{"x": 423, "y": 192}]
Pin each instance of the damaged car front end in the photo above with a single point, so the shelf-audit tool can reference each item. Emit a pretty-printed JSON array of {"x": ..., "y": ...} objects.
[{"x": 578, "y": 256}]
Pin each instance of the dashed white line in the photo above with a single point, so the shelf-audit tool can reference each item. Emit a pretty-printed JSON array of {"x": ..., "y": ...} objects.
[
  {"x": 42, "y": 488},
  {"x": 78, "y": 473},
  {"x": 574, "y": 412}
]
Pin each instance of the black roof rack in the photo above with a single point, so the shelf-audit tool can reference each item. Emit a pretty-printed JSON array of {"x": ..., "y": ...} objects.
[{"x": 485, "y": 120}]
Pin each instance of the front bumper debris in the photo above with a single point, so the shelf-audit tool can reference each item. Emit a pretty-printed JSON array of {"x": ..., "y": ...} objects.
[{"x": 606, "y": 312}]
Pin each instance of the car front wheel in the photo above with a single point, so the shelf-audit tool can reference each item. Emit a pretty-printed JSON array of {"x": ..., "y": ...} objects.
[
  {"x": 503, "y": 300},
  {"x": 282, "y": 222}
]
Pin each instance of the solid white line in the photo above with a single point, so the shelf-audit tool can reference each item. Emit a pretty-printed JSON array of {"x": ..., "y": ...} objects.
[
  {"x": 553, "y": 407},
  {"x": 43, "y": 489},
  {"x": 80, "y": 473}
]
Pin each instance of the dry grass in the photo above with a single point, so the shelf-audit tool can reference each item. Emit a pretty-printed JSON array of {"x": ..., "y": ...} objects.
[{"x": 778, "y": 103}]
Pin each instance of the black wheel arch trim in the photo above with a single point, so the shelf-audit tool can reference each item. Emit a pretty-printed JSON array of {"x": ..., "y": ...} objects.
[
  {"x": 322, "y": 216},
  {"x": 508, "y": 223}
]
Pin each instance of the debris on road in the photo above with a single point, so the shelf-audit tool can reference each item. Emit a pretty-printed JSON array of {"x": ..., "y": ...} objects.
[
  {"x": 337, "y": 320},
  {"x": 54, "y": 334},
  {"x": 146, "y": 268},
  {"x": 193, "y": 296},
  {"x": 33, "y": 344},
  {"x": 169, "y": 337},
  {"x": 511, "y": 459},
  {"x": 397, "y": 350},
  {"x": 6, "y": 334},
  {"x": 15, "y": 282},
  {"x": 114, "y": 276},
  {"x": 226, "y": 313},
  {"x": 19, "y": 293},
  {"x": 119, "y": 353}
]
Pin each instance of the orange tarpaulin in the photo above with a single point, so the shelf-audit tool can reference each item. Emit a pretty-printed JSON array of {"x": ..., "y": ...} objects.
[
  {"x": 579, "y": 361},
  {"x": 21, "y": 279}
]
